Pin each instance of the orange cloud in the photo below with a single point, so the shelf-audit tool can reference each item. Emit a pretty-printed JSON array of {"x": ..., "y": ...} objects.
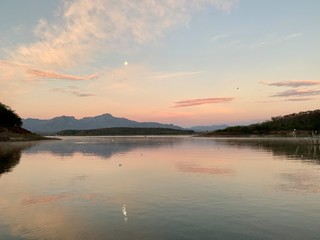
[{"x": 195, "y": 102}]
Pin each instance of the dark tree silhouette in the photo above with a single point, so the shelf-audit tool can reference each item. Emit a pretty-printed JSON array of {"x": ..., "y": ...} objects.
[
  {"x": 8, "y": 118},
  {"x": 303, "y": 121}
]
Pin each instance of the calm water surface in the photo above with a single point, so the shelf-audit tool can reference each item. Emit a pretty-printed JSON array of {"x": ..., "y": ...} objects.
[{"x": 159, "y": 188}]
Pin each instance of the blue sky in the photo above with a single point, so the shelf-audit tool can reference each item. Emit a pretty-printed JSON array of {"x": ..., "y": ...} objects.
[{"x": 186, "y": 62}]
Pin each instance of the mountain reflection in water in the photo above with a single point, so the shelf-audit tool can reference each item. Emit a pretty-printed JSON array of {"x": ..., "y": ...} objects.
[
  {"x": 159, "y": 188},
  {"x": 104, "y": 147}
]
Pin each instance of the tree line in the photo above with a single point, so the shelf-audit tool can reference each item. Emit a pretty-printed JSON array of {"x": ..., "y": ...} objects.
[
  {"x": 302, "y": 121},
  {"x": 8, "y": 118},
  {"x": 125, "y": 131}
]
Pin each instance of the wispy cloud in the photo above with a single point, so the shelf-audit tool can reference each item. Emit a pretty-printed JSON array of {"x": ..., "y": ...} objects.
[
  {"x": 259, "y": 44},
  {"x": 82, "y": 94},
  {"x": 232, "y": 43},
  {"x": 175, "y": 74},
  {"x": 37, "y": 73},
  {"x": 83, "y": 30},
  {"x": 53, "y": 75},
  {"x": 294, "y": 83},
  {"x": 289, "y": 36},
  {"x": 218, "y": 37},
  {"x": 274, "y": 39},
  {"x": 297, "y": 92},
  {"x": 83, "y": 27},
  {"x": 201, "y": 101},
  {"x": 298, "y": 99},
  {"x": 73, "y": 91}
]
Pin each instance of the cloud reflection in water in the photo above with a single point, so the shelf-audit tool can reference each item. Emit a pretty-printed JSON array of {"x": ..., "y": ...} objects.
[{"x": 197, "y": 168}]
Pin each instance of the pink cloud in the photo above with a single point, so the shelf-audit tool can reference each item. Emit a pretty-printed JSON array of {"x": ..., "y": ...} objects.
[
  {"x": 201, "y": 101},
  {"x": 53, "y": 75},
  {"x": 297, "y": 92},
  {"x": 294, "y": 83},
  {"x": 73, "y": 91},
  {"x": 37, "y": 73}
]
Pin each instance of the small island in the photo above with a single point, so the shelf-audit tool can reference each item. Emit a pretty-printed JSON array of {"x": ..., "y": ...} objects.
[{"x": 11, "y": 127}]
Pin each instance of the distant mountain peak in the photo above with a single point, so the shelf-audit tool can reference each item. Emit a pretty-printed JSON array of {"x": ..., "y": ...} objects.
[
  {"x": 105, "y": 120},
  {"x": 105, "y": 115},
  {"x": 65, "y": 117}
]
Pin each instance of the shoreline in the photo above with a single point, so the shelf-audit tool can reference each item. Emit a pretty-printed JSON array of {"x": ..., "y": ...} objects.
[{"x": 20, "y": 135}]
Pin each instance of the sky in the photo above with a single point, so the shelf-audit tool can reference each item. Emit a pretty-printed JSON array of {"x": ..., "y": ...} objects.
[{"x": 186, "y": 62}]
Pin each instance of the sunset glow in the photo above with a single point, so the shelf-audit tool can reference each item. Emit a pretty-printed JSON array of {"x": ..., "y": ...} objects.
[{"x": 198, "y": 62}]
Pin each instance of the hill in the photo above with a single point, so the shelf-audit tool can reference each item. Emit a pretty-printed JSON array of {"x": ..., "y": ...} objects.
[
  {"x": 101, "y": 121},
  {"x": 125, "y": 132},
  {"x": 208, "y": 128},
  {"x": 10, "y": 127},
  {"x": 282, "y": 125}
]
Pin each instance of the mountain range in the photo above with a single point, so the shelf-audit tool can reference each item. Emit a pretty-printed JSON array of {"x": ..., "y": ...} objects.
[{"x": 101, "y": 121}]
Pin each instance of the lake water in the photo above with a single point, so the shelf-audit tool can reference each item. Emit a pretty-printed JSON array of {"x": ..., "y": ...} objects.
[{"x": 159, "y": 188}]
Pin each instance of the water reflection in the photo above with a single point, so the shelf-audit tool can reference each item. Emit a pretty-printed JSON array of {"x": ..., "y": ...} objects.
[
  {"x": 53, "y": 198},
  {"x": 124, "y": 212},
  {"x": 279, "y": 147},
  {"x": 188, "y": 167},
  {"x": 161, "y": 188},
  {"x": 299, "y": 181},
  {"x": 10, "y": 154},
  {"x": 302, "y": 179},
  {"x": 104, "y": 147}
]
